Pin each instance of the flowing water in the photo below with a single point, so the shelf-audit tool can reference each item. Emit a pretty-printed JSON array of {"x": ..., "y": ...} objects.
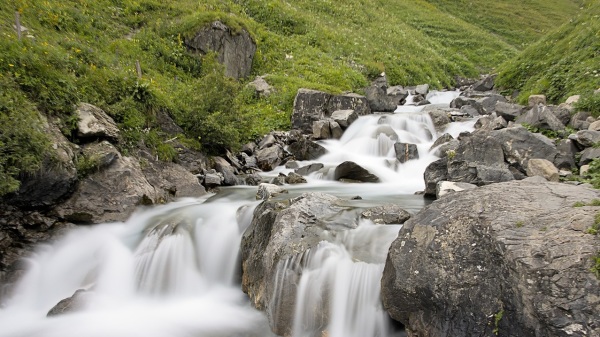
[{"x": 173, "y": 270}]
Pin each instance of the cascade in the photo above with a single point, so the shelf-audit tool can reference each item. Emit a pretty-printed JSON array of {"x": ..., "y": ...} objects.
[{"x": 173, "y": 270}]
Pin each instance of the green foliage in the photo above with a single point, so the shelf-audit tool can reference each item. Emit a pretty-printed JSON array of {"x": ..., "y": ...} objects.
[
  {"x": 596, "y": 265},
  {"x": 497, "y": 318},
  {"x": 563, "y": 63},
  {"x": 519, "y": 224},
  {"x": 593, "y": 174},
  {"x": 86, "y": 165},
  {"x": 579, "y": 204},
  {"x": 589, "y": 102},
  {"x": 22, "y": 139}
]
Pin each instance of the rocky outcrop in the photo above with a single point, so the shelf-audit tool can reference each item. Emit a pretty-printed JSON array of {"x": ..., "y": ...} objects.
[
  {"x": 235, "y": 50},
  {"x": 281, "y": 231},
  {"x": 508, "y": 259},
  {"x": 94, "y": 123},
  {"x": 485, "y": 84}
]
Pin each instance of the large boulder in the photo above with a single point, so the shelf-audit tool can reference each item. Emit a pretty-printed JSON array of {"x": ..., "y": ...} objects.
[
  {"x": 406, "y": 152},
  {"x": 508, "y": 111},
  {"x": 269, "y": 158},
  {"x": 94, "y": 123},
  {"x": 540, "y": 116},
  {"x": 434, "y": 173},
  {"x": 344, "y": 117},
  {"x": 386, "y": 214},
  {"x": 109, "y": 195},
  {"x": 485, "y": 84},
  {"x": 509, "y": 259},
  {"x": 520, "y": 145},
  {"x": 306, "y": 150},
  {"x": 351, "y": 171},
  {"x": 348, "y": 101},
  {"x": 171, "y": 181},
  {"x": 309, "y": 106},
  {"x": 235, "y": 50},
  {"x": 279, "y": 232},
  {"x": 379, "y": 100}
]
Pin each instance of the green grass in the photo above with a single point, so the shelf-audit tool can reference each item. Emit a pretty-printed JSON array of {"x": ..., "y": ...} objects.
[
  {"x": 85, "y": 51},
  {"x": 563, "y": 63}
]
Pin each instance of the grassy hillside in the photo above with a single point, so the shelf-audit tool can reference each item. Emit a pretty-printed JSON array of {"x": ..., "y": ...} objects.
[
  {"x": 85, "y": 51},
  {"x": 565, "y": 62}
]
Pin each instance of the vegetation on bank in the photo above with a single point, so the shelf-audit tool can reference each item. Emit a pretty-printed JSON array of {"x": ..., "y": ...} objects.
[
  {"x": 563, "y": 63},
  {"x": 85, "y": 51}
]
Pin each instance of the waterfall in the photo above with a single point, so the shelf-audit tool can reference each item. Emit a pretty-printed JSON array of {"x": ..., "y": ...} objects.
[{"x": 173, "y": 270}]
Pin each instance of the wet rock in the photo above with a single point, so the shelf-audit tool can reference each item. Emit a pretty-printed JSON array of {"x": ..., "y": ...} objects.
[
  {"x": 535, "y": 100},
  {"x": 235, "y": 50},
  {"x": 70, "y": 304},
  {"x": 485, "y": 84},
  {"x": 386, "y": 214},
  {"x": 306, "y": 150},
  {"x": 440, "y": 118},
  {"x": 397, "y": 94},
  {"x": 344, "y": 117},
  {"x": 422, "y": 89},
  {"x": 445, "y": 138},
  {"x": 378, "y": 99},
  {"x": 269, "y": 158},
  {"x": 434, "y": 173},
  {"x": 469, "y": 110},
  {"x": 308, "y": 169},
  {"x": 292, "y": 164},
  {"x": 95, "y": 123},
  {"x": 542, "y": 168},
  {"x": 516, "y": 250},
  {"x": 406, "y": 152},
  {"x": 321, "y": 129},
  {"x": 336, "y": 129},
  {"x": 349, "y": 170},
  {"x": 446, "y": 187},
  {"x": 229, "y": 173},
  {"x": 268, "y": 191},
  {"x": 280, "y": 232},
  {"x": 294, "y": 178}
]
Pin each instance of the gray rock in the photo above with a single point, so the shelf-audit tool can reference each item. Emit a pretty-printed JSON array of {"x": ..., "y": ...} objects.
[
  {"x": 447, "y": 187},
  {"x": 520, "y": 145},
  {"x": 269, "y": 158},
  {"x": 536, "y": 100},
  {"x": 423, "y": 102},
  {"x": 292, "y": 164},
  {"x": 249, "y": 148},
  {"x": 349, "y": 101},
  {"x": 344, "y": 117},
  {"x": 171, "y": 181},
  {"x": 489, "y": 102},
  {"x": 588, "y": 155},
  {"x": 267, "y": 141},
  {"x": 235, "y": 50},
  {"x": 586, "y": 138},
  {"x": 542, "y": 168},
  {"x": 406, "y": 152},
  {"x": 508, "y": 111},
  {"x": 461, "y": 101},
  {"x": 563, "y": 115},
  {"x": 95, "y": 123},
  {"x": 70, "y": 304},
  {"x": 434, "y": 173},
  {"x": 579, "y": 120},
  {"x": 422, "y": 89},
  {"x": 485, "y": 84},
  {"x": 309, "y": 106},
  {"x": 249, "y": 162},
  {"x": 281, "y": 232},
  {"x": 229, "y": 173},
  {"x": 510, "y": 259},
  {"x": 308, "y": 169},
  {"x": 336, "y": 129},
  {"x": 321, "y": 130},
  {"x": 595, "y": 126},
  {"x": 445, "y": 138},
  {"x": 261, "y": 87},
  {"x": 440, "y": 118},
  {"x": 397, "y": 94},
  {"x": 294, "y": 178},
  {"x": 306, "y": 150},
  {"x": 378, "y": 100},
  {"x": 268, "y": 191},
  {"x": 102, "y": 154},
  {"x": 386, "y": 214},
  {"x": 541, "y": 116},
  {"x": 469, "y": 110},
  {"x": 490, "y": 123},
  {"x": 566, "y": 154},
  {"x": 253, "y": 179},
  {"x": 350, "y": 171}
]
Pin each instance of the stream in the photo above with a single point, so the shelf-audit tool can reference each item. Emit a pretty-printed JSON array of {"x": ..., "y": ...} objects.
[{"x": 174, "y": 270}]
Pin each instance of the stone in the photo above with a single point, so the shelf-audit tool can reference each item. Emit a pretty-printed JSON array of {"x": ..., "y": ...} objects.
[
  {"x": 534, "y": 100},
  {"x": 461, "y": 101},
  {"x": 268, "y": 191},
  {"x": 440, "y": 118},
  {"x": 469, "y": 110},
  {"x": 309, "y": 106},
  {"x": 321, "y": 129},
  {"x": 349, "y": 170},
  {"x": 586, "y": 138},
  {"x": 563, "y": 115},
  {"x": 378, "y": 100},
  {"x": 542, "y": 117},
  {"x": 397, "y": 94},
  {"x": 485, "y": 84},
  {"x": 542, "y": 168},
  {"x": 102, "y": 154},
  {"x": 595, "y": 126},
  {"x": 349, "y": 101},
  {"x": 308, "y": 169},
  {"x": 95, "y": 123},
  {"x": 344, "y": 117},
  {"x": 386, "y": 214},
  {"x": 508, "y": 111},
  {"x": 565, "y": 160},
  {"x": 171, "y": 181},
  {"x": 336, "y": 129},
  {"x": 488, "y": 103},
  {"x": 269, "y": 158},
  {"x": 249, "y": 148},
  {"x": 579, "y": 120},
  {"x": 520, "y": 145},
  {"x": 229, "y": 172},
  {"x": 261, "y": 87},
  {"x": 434, "y": 173},
  {"x": 280, "y": 233},
  {"x": 253, "y": 179},
  {"x": 406, "y": 152},
  {"x": 445, "y": 138},
  {"x": 447, "y": 187},
  {"x": 70, "y": 304},
  {"x": 515, "y": 250},
  {"x": 292, "y": 164},
  {"x": 588, "y": 155},
  {"x": 583, "y": 170},
  {"x": 267, "y": 141},
  {"x": 235, "y": 50},
  {"x": 573, "y": 99},
  {"x": 249, "y": 162},
  {"x": 422, "y": 89},
  {"x": 306, "y": 150},
  {"x": 294, "y": 178}
]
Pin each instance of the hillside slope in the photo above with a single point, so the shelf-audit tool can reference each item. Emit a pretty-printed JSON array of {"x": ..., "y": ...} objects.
[
  {"x": 565, "y": 62},
  {"x": 85, "y": 51}
]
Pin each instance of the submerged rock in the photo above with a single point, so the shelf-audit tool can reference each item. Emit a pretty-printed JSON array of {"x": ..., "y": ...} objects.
[
  {"x": 351, "y": 171},
  {"x": 508, "y": 259},
  {"x": 386, "y": 214}
]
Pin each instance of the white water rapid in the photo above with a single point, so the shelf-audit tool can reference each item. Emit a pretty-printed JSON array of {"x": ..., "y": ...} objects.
[{"x": 173, "y": 270}]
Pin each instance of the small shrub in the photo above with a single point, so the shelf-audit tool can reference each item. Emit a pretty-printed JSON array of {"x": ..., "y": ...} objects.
[
  {"x": 596, "y": 265},
  {"x": 519, "y": 224},
  {"x": 589, "y": 103},
  {"x": 579, "y": 204}
]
